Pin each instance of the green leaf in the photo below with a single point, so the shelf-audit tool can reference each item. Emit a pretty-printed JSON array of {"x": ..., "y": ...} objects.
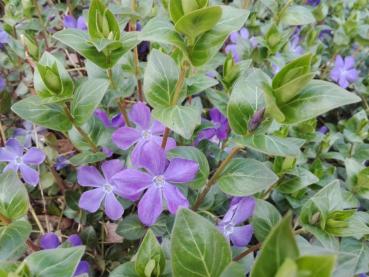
[
  {"x": 219, "y": 99},
  {"x": 296, "y": 179},
  {"x": 87, "y": 157},
  {"x": 208, "y": 44},
  {"x": 264, "y": 218},
  {"x": 198, "y": 21},
  {"x": 150, "y": 250},
  {"x": 87, "y": 98},
  {"x": 160, "y": 79},
  {"x": 41, "y": 80},
  {"x": 288, "y": 268},
  {"x": 125, "y": 270},
  {"x": 180, "y": 119},
  {"x": 13, "y": 238},
  {"x": 51, "y": 116},
  {"x": 297, "y": 15},
  {"x": 199, "y": 83},
  {"x": 234, "y": 270},
  {"x": 192, "y": 153},
  {"x": 317, "y": 98},
  {"x": 246, "y": 99},
  {"x": 244, "y": 177},
  {"x": 316, "y": 266},
  {"x": 131, "y": 228},
  {"x": 271, "y": 145},
  {"x": 59, "y": 262},
  {"x": 197, "y": 247},
  {"x": 14, "y": 200},
  {"x": 179, "y": 8},
  {"x": 277, "y": 247}
]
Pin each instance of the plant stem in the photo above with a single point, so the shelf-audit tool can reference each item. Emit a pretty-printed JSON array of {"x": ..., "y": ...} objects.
[
  {"x": 123, "y": 111},
  {"x": 34, "y": 215},
  {"x": 79, "y": 129},
  {"x": 4, "y": 219},
  {"x": 248, "y": 251},
  {"x": 39, "y": 15},
  {"x": 215, "y": 177},
  {"x": 165, "y": 137},
  {"x": 109, "y": 72},
  {"x": 2, "y": 134}
]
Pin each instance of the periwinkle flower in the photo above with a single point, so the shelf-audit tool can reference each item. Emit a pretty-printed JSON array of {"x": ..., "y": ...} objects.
[
  {"x": 62, "y": 161},
  {"x": 313, "y": 3},
  {"x": 323, "y": 130},
  {"x": 4, "y": 37},
  {"x": 344, "y": 72},
  {"x": 71, "y": 22},
  {"x": 51, "y": 241},
  {"x": 294, "y": 45},
  {"x": 146, "y": 130},
  {"x": 105, "y": 188},
  {"x": 240, "y": 210},
  {"x": 28, "y": 133},
  {"x": 115, "y": 122},
  {"x": 13, "y": 154},
  {"x": 2, "y": 83},
  {"x": 219, "y": 130},
  {"x": 158, "y": 183},
  {"x": 235, "y": 38}
]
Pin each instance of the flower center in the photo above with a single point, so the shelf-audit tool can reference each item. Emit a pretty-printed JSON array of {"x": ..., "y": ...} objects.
[
  {"x": 107, "y": 188},
  {"x": 217, "y": 125},
  {"x": 18, "y": 160},
  {"x": 146, "y": 134},
  {"x": 228, "y": 229},
  {"x": 159, "y": 181}
]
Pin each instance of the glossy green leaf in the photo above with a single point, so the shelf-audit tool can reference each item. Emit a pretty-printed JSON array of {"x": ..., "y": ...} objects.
[
  {"x": 208, "y": 44},
  {"x": 13, "y": 238},
  {"x": 59, "y": 262},
  {"x": 244, "y": 177},
  {"x": 87, "y": 157},
  {"x": 246, "y": 99},
  {"x": 14, "y": 200},
  {"x": 181, "y": 119},
  {"x": 296, "y": 15},
  {"x": 197, "y": 247},
  {"x": 160, "y": 79},
  {"x": 125, "y": 270},
  {"x": 316, "y": 266},
  {"x": 264, "y": 218},
  {"x": 197, "y": 22},
  {"x": 234, "y": 270},
  {"x": 192, "y": 153},
  {"x": 271, "y": 145},
  {"x": 51, "y": 116},
  {"x": 277, "y": 247},
  {"x": 131, "y": 228},
  {"x": 199, "y": 83},
  {"x": 179, "y": 8},
  {"x": 87, "y": 98},
  {"x": 317, "y": 98},
  {"x": 150, "y": 250},
  {"x": 288, "y": 268},
  {"x": 296, "y": 179}
]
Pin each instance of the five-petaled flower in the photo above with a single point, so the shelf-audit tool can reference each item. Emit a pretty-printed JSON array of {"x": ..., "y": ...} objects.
[
  {"x": 29, "y": 133},
  {"x": 158, "y": 183},
  {"x": 13, "y": 154},
  {"x": 344, "y": 72},
  {"x": 146, "y": 130},
  {"x": 219, "y": 130},
  {"x": 105, "y": 188},
  {"x": 71, "y": 22},
  {"x": 241, "y": 209}
]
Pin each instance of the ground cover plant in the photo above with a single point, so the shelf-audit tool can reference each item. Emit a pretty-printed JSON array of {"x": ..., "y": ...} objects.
[{"x": 184, "y": 138}]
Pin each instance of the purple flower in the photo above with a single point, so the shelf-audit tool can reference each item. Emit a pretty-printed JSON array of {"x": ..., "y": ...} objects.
[
  {"x": 62, "y": 161},
  {"x": 2, "y": 83},
  {"x": 159, "y": 183},
  {"x": 13, "y": 154},
  {"x": 51, "y": 241},
  {"x": 325, "y": 34},
  {"x": 241, "y": 208},
  {"x": 235, "y": 38},
  {"x": 323, "y": 130},
  {"x": 71, "y": 22},
  {"x": 146, "y": 130},
  {"x": 294, "y": 45},
  {"x": 344, "y": 72},
  {"x": 115, "y": 122},
  {"x": 4, "y": 37},
  {"x": 28, "y": 133},
  {"x": 105, "y": 188},
  {"x": 313, "y": 3},
  {"x": 220, "y": 129}
]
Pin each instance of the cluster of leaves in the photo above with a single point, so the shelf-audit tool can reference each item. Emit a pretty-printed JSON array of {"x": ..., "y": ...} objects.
[{"x": 295, "y": 150}]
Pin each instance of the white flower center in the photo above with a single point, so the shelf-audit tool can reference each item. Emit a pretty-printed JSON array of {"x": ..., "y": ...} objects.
[
  {"x": 146, "y": 134},
  {"x": 18, "y": 160},
  {"x": 159, "y": 181},
  {"x": 108, "y": 188},
  {"x": 228, "y": 229}
]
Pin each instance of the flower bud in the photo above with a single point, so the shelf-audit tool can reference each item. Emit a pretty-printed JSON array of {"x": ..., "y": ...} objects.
[
  {"x": 337, "y": 221},
  {"x": 256, "y": 120},
  {"x": 50, "y": 77}
]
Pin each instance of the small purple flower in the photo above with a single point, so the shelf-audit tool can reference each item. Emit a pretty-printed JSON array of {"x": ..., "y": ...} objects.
[
  {"x": 2, "y": 83},
  {"x": 159, "y": 183},
  {"x": 4, "y": 37},
  {"x": 313, "y": 3},
  {"x": 241, "y": 209},
  {"x": 105, "y": 188},
  {"x": 325, "y": 34},
  {"x": 146, "y": 130},
  {"x": 344, "y": 72},
  {"x": 220, "y": 129},
  {"x": 294, "y": 45},
  {"x": 62, "y": 161},
  {"x": 115, "y": 122},
  {"x": 13, "y": 154},
  {"x": 71, "y": 22},
  {"x": 235, "y": 38},
  {"x": 51, "y": 241},
  {"x": 323, "y": 130},
  {"x": 28, "y": 133}
]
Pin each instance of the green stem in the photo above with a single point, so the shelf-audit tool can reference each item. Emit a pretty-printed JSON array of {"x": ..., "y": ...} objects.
[
  {"x": 179, "y": 84},
  {"x": 215, "y": 177},
  {"x": 109, "y": 72},
  {"x": 79, "y": 129}
]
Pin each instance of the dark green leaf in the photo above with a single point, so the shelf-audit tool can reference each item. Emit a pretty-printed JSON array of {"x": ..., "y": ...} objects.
[
  {"x": 316, "y": 266},
  {"x": 131, "y": 228},
  {"x": 297, "y": 15},
  {"x": 87, "y": 157}
]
